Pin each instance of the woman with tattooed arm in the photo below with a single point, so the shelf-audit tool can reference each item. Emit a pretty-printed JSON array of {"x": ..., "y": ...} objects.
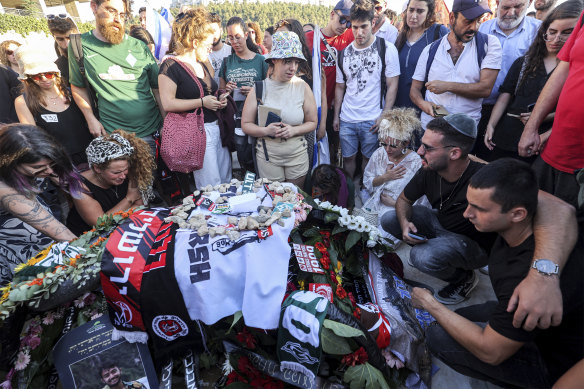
[{"x": 28, "y": 156}]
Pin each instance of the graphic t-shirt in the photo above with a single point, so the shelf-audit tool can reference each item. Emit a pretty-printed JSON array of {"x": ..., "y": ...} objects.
[
  {"x": 328, "y": 59},
  {"x": 216, "y": 59},
  {"x": 362, "y": 76},
  {"x": 123, "y": 77},
  {"x": 244, "y": 72},
  {"x": 563, "y": 150}
]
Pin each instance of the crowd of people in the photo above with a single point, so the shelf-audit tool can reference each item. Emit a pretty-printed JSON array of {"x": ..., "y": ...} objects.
[{"x": 444, "y": 122}]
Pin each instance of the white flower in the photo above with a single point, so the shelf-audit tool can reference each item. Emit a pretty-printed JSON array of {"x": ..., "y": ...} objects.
[
  {"x": 326, "y": 205},
  {"x": 344, "y": 220},
  {"x": 227, "y": 368},
  {"x": 352, "y": 225},
  {"x": 360, "y": 219},
  {"x": 368, "y": 227},
  {"x": 371, "y": 243},
  {"x": 336, "y": 209},
  {"x": 317, "y": 201},
  {"x": 344, "y": 212},
  {"x": 360, "y": 227},
  {"x": 22, "y": 360}
]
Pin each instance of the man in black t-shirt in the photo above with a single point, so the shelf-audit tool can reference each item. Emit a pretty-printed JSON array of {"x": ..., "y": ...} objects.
[
  {"x": 445, "y": 244},
  {"x": 61, "y": 28},
  {"x": 482, "y": 341},
  {"x": 9, "y": 90}
]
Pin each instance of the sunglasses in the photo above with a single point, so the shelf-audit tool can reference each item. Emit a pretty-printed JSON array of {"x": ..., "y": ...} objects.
[
  {"x": 58, "y": 16},
  {"x": 9, "y": 52},
  {"x": 47, "y": 75},
  {"x": 378, "y": 8},
  {"x": 344, "y": 20}
]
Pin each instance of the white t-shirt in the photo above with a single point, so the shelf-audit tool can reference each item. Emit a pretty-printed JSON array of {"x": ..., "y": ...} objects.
[
  {"x": 216, "y": 58},
  {"x": 387, "y": 31},
  {"x": 362, "y": 69},
  {"x": 466, "y": 70}
]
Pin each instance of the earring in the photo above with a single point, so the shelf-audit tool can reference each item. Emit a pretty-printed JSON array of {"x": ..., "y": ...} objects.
[{"x": 404, "y": 151}]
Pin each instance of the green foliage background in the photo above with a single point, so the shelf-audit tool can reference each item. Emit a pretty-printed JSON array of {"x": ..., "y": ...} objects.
[
  {"x": 27, "y": 24},
  {"x": 268, "y": 14}
]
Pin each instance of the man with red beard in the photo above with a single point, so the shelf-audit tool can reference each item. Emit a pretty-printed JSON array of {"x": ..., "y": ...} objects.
[{"x": 122, "y": 72}]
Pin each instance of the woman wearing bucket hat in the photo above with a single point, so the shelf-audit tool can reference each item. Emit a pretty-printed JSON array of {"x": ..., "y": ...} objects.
[
  {"x": 281, "y": 148},
  {"x": 47, "y": 103}
]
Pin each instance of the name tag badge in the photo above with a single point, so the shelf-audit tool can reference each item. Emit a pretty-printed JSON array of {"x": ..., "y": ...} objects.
[{"x": 50, "y": 118}]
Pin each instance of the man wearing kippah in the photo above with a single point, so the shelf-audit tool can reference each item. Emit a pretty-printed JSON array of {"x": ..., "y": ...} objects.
[{"x": 445, "y": 244}]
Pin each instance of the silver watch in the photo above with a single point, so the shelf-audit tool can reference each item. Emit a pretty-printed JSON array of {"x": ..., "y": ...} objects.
[{"x": 546, "y": 267}]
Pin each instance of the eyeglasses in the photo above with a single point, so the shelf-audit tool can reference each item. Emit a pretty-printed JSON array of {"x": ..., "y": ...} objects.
[
  {"x": 427, "y": 148},
  {"x": 344, "y": 20},
  {"x": 548, "y": 37},
  {"x": 379, "y": 8},
  {"x": 383, "y": 144},
  {"x": 115, "y": 13},
  {"x": 9, "y": 52},
  {"x": 39, "y": 76},
  {"x": 232, "y": 38}
]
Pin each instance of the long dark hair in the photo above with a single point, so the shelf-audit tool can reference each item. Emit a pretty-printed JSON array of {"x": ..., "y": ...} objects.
[
  {"x": 326, "y": 177},
  {"x": 430, "y": 20},
  {"x": 24, "y": 143},
  {"x": 294, "y": 25},
  {"x": 248, "y": 42},
  {"x": 538, "y": 51},
  {"x": 33, "y": 95}
]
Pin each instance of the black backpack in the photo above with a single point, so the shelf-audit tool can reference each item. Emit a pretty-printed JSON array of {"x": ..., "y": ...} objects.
[{"x": 380, "y": 44}]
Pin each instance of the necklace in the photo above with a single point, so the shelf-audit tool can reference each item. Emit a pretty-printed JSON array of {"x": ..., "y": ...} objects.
[
  {"x": 453, "y": 189},
  {"x": 54, "y": 99}
]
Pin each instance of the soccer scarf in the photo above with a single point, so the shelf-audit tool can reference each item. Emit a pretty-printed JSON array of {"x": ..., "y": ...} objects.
[
  {"x": 299, "y": 347},
  {"x": 122, "y": 266}
]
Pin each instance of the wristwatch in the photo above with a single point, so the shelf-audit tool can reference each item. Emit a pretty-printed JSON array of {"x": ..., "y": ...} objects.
[{"x": 546, "y": 267}]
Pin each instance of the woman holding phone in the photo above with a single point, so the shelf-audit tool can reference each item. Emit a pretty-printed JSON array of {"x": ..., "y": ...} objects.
[
  {"x": 238, "y": 73},
  {"x": 524, "y": 82},
  {"x": 179, "y": 93},
  {"x": 281, "y": 148}
]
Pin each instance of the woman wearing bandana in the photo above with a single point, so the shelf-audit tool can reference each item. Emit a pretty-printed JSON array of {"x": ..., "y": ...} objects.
[{"x": 119, "y": 178}]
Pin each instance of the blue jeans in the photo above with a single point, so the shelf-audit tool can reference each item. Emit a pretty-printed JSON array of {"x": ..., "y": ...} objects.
[
  {"x": 446, "y": 255},
  {"x": 351, "y": 134},
  {"x": 524, "y": 369}
]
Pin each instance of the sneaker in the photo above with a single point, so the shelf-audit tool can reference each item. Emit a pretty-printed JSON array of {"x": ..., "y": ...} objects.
[
  {"x": 484, "y": 270},
  {"x": 457, "y": 293}
]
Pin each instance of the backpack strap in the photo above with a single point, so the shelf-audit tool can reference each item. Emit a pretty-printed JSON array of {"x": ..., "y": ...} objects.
[
  {"x": 431, "y": 54},
  {"x": 380, "y": 43},
  {"x": 259, "y": 91},
  {"x": 77, "y": 48},
  {"x": 436, "y": 31},
  {"x": 482, "y": 42},
  {"x": 340, "y": 64}
]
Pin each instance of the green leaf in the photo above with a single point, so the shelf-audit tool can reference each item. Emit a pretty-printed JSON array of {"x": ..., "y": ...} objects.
[
  {"x": 314, "y": 231},
  {"x": 338, "y": 229},
  {"x": 236, "y": 317},
  {"x": 331, "y": 217},
  {"x": 342, "y": 329},
  {"x": 365, "y": 376},
  {"x": 334, "y": 344},
  {"x": 352, "y": 239}
]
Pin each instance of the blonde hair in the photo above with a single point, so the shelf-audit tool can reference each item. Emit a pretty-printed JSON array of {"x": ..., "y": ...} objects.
[
  {"x": 399, "y": 123},
  {"x": 189, "y": 26},
  {"x": 3, "y": 47}
]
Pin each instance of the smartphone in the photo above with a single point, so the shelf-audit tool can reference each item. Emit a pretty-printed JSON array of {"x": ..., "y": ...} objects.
[
  {"x": 223, "y": 96},
  {"x": 273, "y": 118},
  {"x": 416, "y": 236},
  {"x": 440, "y": 111}
]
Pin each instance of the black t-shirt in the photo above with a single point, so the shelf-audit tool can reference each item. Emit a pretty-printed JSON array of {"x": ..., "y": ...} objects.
[
  {"x": 62, "y": 63},
  {"x": 561, "y": 346},
  {"x": 186, "y": 87},
  {"x": 9, "y": 91},
  {"x": 509, "y": 129},
  {"x": 107, "y": 198},
  {"x": 452, "y": 195}
]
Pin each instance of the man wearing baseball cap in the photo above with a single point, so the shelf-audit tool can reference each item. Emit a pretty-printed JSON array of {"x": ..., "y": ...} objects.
[
  {"x": 458, "y": 70},
  {"x": 444, "y": 243}
]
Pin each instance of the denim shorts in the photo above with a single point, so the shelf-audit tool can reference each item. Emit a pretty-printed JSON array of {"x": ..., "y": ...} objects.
[{"x": 353, "y": 134}]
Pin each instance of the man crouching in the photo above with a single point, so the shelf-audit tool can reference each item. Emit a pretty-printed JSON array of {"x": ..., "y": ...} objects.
[{"x": 480, "y": 341}]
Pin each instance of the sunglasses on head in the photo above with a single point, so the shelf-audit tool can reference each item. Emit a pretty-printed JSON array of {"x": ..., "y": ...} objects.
[
  {"x": 9, "y": 52},
  {"x": 344, "y": 20},
  {"x": 383, "y": 144},
  {"x": 58, "y": 16},
  {"x": 47, "y": 75}
]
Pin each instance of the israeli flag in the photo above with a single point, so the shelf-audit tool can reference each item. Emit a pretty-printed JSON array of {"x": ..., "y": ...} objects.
[{"x": 159, "y": 25}]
